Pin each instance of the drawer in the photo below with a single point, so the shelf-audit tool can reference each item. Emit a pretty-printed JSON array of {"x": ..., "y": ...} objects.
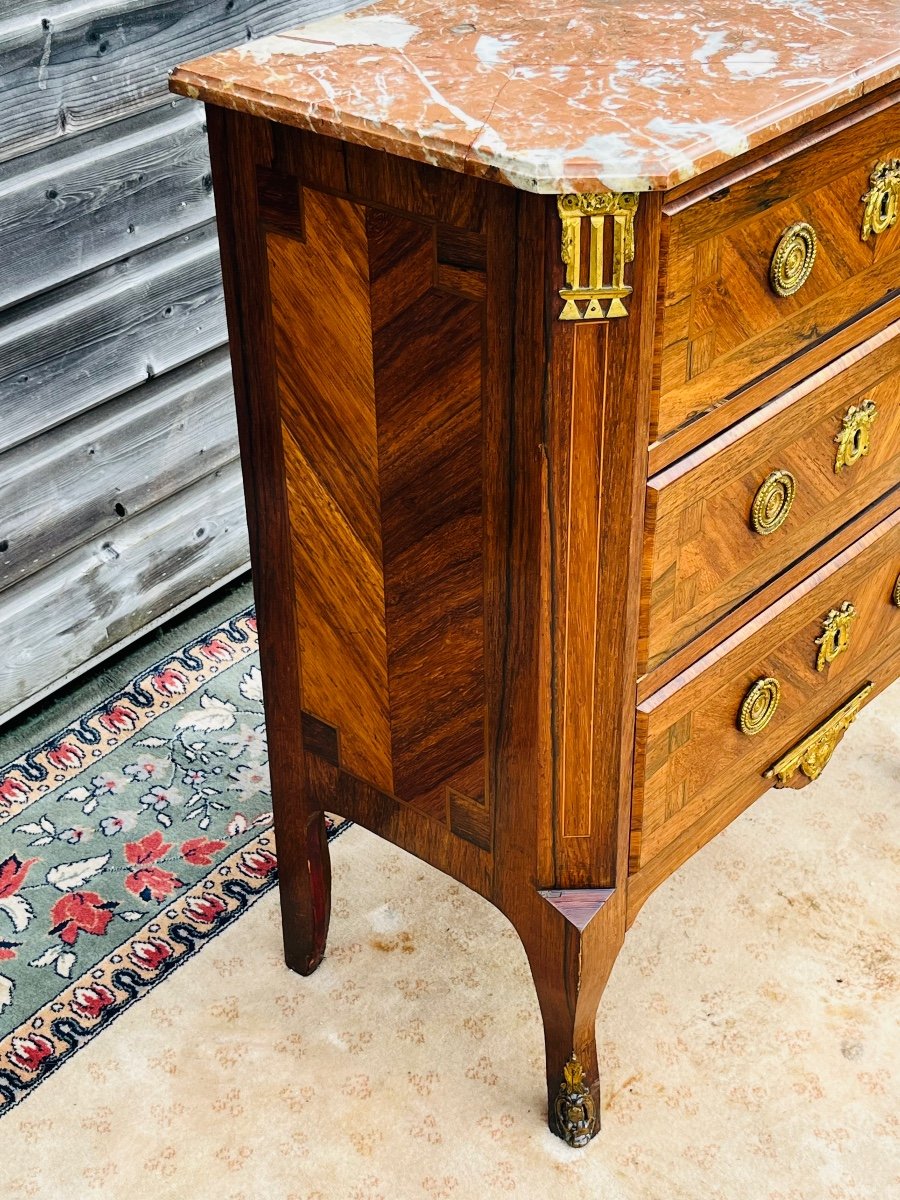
[
  {"x": 693, "y": 759},
  {"x": 813, "y": 460},
  {"x": 723, "y": 322}
]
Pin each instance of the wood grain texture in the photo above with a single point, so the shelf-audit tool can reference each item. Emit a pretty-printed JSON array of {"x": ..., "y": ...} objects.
[
  {"x": 402, "y": 824},
  {"x": 703, "y": 556},
  {"x": 110, "y": 280},
  {"x": 428, "y": 347},
  {"x": 691, "y": 756},
  {"x": 463, "y": 478},
  {"x": 499, "y": 480},
  {"x": 576, "y": 484},
  {"x": 643, "y": 882},
  {"x": 97, "y": 337},
  {"x": 384, "y": 469},
  {"x": 734, "y": 407},
  {"x": 119, "y": 581},
  {"x": 327, "y": 397},
  {"x": 238, "y": 147},
  {"x": 723, "y": 326},
  {"x": 75, "y": 206},
  {"x": 772, "y": 590},
  {"x": 103, "y": 468},
  {"x": 70, "y": 68}
]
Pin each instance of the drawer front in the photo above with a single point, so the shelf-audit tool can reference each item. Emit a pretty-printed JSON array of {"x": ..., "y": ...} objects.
[
  {"x": 692, "y": 755},
  {"x": 724, "y": 323},
  {"x": 813, "y": 459}
]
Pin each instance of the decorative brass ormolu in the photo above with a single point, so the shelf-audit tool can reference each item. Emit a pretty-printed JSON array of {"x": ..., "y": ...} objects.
[
  {"x": 758, "y": 706},
  {"x": 793, "y": 259},
  {"x": 896, "y": 593},
  {"x": 835, "y": 636},
  {"x": 772, "y": 502},
  {"x": 853, "y": 437},
  {"x": 576, "y": 1112},
  {"x": 603, "y": 283},
  {"x": 882, "y": 200},
  {"x": 808, "y": 760}
]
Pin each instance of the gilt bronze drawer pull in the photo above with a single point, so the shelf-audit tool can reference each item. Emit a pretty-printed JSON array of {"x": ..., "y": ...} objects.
[
  {"x": 808, "y": 760},
  {"x": 758, "y": 706},
  {"x": 896, "y": 594},
  {"x": 772, "y": 502},
  {"x": 882, "y": 200},
  {"x": 793, "y": 259},
  {"x": 835, "y": 636},
  {"x": 853, "y": 437}
]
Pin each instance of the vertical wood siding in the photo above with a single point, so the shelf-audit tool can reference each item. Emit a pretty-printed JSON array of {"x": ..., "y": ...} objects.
[{"x": 120, "y": 495}]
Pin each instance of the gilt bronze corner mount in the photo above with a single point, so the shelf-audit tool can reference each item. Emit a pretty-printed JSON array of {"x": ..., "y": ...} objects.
[{"x": 595, "y": 289}]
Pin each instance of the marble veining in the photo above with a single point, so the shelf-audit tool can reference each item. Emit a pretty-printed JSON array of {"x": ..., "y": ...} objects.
[{"x": 562, "y": 95}]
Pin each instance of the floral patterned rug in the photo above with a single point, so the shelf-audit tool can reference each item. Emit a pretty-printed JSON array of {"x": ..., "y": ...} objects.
[{"x": 127, "y": 842}]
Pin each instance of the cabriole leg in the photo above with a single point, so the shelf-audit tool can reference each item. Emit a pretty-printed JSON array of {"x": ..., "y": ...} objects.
[{"x": 571, "y": 958}]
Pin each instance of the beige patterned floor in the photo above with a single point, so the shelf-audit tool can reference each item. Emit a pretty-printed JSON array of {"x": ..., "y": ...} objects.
[{"x": 750, "y": 1035}]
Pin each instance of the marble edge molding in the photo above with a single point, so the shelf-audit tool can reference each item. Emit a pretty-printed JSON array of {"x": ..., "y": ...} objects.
[{"x": 543, "y": 175}]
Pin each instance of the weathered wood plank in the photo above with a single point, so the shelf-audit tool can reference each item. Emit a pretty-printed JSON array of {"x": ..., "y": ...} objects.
[
  {"x": 78, "y": 205},
  {"x": 97, "y": 597},
  {"x": 99, "y": 336},
  {"x": 72, "y": 67},
  {"x": 112, "y": 463}
]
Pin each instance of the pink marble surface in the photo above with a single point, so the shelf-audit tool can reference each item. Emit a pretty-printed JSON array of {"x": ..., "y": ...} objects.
[{"x": 562, "y": 95}]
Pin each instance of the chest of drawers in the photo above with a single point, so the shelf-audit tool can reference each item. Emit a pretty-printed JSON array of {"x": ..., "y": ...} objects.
[{"x": 571, "y": 445}]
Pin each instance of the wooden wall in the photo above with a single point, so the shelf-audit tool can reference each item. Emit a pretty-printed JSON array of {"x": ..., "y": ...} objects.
[{"x": 120, "y": 496}]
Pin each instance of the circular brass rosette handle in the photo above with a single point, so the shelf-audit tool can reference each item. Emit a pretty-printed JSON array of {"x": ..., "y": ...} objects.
[
  {"x": 896, "y": 595},
  {"x": 772, "y": 502},
  {"x": 793, "y": 259},
  {"x": 758, "y": 706}
]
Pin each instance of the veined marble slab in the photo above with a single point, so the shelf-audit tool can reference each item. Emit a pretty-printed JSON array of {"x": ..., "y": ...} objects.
[{"x": 562, "y": 95}]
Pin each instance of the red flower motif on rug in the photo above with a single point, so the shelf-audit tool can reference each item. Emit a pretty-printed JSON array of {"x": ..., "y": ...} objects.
[
  {"x": 153, "y": 883},
  {"x": 29, "y": 1052},
  {"x": 170, "y": 682},
  {"x": 118, "y": 718},
  {"x": 89, "y": 1002},
  {"x": 151, "y": 953},
  {"x": 257, "y": 863},
  {"x": 199, "y": 851},
  {"x": 204, "y": 908},
  {"x": 13, "y": 873},
  {"x": 12, "y": 790},
  {"x": 179, "y": 758},
  {"x": 66, "y": 754},
  {"x": 147, "y": 849},
  {"x": 218, "y": 650},
  {"x": 150, "y": 882},
  {"x": 81, "y": 912}
]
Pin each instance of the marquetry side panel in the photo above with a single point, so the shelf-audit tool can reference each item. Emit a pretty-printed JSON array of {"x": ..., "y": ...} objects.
[
  {"x": 320, "y": 291},
  {"x": 428, "y": 350},
  {"x": 380, "y": 331},
  {"x": 692, "y": 756},
  {"x": 723, "y": 325}
]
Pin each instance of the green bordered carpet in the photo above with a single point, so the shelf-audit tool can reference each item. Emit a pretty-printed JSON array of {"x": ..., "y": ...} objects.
[{"x": 127, "y": 842}]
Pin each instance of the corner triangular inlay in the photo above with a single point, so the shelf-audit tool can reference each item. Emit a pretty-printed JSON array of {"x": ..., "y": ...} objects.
[{"x": 578, "y": 905}]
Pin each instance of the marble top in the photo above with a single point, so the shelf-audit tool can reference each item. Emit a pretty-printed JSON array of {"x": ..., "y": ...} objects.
[{"x": 562, "y": 95}]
